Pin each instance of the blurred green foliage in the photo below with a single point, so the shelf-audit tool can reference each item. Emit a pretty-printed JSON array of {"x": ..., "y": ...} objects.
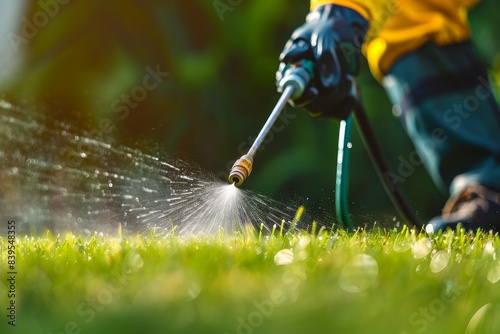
[{"x": 219, "y": 91}]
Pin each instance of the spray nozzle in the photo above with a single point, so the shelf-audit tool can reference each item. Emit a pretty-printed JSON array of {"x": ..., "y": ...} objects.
[{"x": 241, "y": 170}]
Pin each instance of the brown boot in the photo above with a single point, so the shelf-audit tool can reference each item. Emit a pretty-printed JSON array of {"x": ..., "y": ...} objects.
[{"x": 474, "y": 207}]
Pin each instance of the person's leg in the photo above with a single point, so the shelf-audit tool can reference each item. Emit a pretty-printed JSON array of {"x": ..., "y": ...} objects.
[{"x": 450, "y": 113}]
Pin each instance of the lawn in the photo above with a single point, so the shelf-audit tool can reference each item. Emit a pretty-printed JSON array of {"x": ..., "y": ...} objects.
[{"x": 314, "y": 281}]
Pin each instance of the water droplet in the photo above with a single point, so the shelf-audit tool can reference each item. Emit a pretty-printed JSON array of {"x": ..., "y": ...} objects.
[
  {"x": 303, "y": 241},
  {"x": 149, "y": 190},
  {"x": 331, "y": 242},
  {"x": 420, "y": 269},
  {"x": 421, "y": 248},
  {"x": 283, "y": 257},
  {"x": 439, "y": 261},
  {"x": 401, "y": 244},
  {"x": 429, "y": 229},
  {"x": 494, "y": 273},
  {"x": 489, "y": 249},
  {"x": 133, "y": 262},
  {"x": 359, "y": 273},
  {"x": 6, "y": 105},
  {"x": 192, "y": 290}
]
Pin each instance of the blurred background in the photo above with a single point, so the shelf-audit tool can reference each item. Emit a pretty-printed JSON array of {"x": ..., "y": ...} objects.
[{"x": 195, "y": 80}]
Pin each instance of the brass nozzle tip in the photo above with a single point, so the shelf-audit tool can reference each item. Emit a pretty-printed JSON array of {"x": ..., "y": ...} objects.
[{"x": 241, "y": 170}]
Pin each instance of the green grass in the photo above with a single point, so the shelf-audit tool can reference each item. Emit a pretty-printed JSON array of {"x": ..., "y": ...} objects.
[{"x": 315, "y": 281}]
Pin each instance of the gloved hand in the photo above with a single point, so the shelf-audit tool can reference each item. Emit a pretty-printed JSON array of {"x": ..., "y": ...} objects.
[{"x": 331, "y": 39}]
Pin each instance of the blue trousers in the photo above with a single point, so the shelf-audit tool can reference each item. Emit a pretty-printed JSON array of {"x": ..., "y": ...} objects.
[{"x": 448, "y": 109}]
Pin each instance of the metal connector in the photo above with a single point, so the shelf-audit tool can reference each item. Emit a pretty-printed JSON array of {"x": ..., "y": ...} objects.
[
  {"x": 241, "y": 170},
  {"x": 298, "y": 78}
]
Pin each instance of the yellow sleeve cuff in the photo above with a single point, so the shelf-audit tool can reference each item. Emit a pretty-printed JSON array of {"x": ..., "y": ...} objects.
[{"x": 345, "y": 3}]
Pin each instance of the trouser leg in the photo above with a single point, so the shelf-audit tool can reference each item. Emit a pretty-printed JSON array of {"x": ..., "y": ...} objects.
[{"x": 450, "y": 114}]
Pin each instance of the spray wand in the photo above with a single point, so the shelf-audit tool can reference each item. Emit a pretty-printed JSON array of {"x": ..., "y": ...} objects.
[{"x": 294, "y": 82}]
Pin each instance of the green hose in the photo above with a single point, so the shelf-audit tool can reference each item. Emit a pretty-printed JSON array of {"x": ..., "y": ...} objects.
[
  {"x": 380, "y": 163},
  {"x": 342, "y": 177}
]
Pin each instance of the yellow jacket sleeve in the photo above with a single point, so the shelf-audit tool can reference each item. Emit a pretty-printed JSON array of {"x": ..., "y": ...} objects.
[
  {"x": 376, "y": 11},
  {"x": 401, "y": 26}
]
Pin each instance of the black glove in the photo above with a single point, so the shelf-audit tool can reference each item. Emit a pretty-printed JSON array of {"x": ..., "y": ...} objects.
[{"x": 331, "y": 39}]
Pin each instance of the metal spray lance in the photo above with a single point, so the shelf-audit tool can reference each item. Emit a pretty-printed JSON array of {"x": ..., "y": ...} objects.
[{"x": 294, "y": 82}]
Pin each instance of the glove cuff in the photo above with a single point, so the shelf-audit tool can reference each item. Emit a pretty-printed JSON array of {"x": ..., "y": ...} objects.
[{"x": 348, "y": 15}]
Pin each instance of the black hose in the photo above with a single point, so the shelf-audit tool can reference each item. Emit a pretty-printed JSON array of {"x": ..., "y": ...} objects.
[{"x": 382, "y": 167}]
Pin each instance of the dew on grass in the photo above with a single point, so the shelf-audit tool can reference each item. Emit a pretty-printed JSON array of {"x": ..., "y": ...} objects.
[
  {"x": 58, "y": 177},
  {"x": 439, "y": 261},
  {"x": 304, "y": 241},
  {"x": 489, "y": 249},
  {"x": 401, "y": 244},
  {"x": 133, "y": 262},
  {"x": 283, "y": 257},
  {"x": 192, "y": 291},
  {"x": 359, "y": 273},
  {"x": 494, "y": 273},
  {"x": 421, "y": 248}
]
